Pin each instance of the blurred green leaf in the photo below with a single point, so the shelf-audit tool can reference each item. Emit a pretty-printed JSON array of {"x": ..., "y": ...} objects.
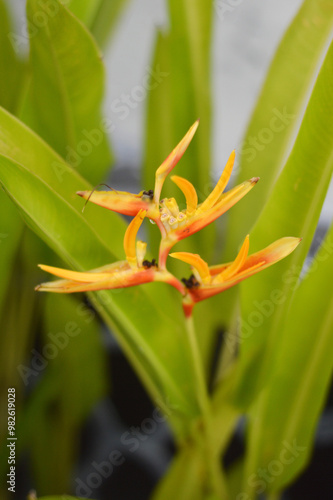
[
  {"x": 10, "y": 231},
  {"x": 292, "y": 210},
  {"x": 185, "y": 477},
  {"x": 85, "y": 10},
  {"x": 11, "y": 71},
  {"x": 22, "y": 145},
  {"x": 143, "y": 330},
  {"x": 295, "y": 393},
  {"x": 72, "y": 358},
  {"x": 103, "y": 24},
  {"x": 18, "y": 324},
  {"x": 180, "y": 93},
  {"x": 278, "y": 111},
  {"x": 66, "y": 90},
  {"x": 18, "y": 320},
  {"x": 100, "y": 16},
  {"x": 11, "y": 68},
  {"x": 235, "y": 476},
  {"x": 83, "y": 357},
  {"x": 46, "y": 164}
]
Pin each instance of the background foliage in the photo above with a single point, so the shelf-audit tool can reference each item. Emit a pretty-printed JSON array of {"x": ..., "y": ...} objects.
[{"x": 275, "y": 366}]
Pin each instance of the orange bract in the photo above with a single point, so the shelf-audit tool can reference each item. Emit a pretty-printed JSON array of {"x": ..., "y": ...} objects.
[{"x": 225, "y": 276}]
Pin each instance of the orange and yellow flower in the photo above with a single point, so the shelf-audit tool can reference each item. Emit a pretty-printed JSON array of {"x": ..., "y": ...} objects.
[
  {"x": 174, "y": 225},
  {"x": 208, "y": 281}
]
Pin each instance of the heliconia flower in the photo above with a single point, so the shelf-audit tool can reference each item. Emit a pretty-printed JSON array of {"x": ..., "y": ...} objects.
[
  {"x": 208, "y": 281},
  {"x": 130, "y": 272},
  {"x": 173, "y": 223}
]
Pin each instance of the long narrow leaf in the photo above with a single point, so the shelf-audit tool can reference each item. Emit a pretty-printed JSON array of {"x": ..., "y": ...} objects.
[
  {"x": 11, "y": 71},
  {"x": 11, "y": 68},
  {"x": 73, "y": 358},
  {"x": 85, "y": 10},
  {"x": 294, "y": 396},
  {"x": 22, "y": 145},
  {"x": 147, "y": 336},
  {"x": 10, "y": 230},
  {"x": 66, "y": 90},
  {"x": 278, "y": 111},
  {"x": 105, "y": 19},
  {"x": 293, "y": 210}
]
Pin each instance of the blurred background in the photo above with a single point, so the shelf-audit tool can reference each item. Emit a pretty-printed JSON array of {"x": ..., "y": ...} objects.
[{"x": 244, "y": 41}]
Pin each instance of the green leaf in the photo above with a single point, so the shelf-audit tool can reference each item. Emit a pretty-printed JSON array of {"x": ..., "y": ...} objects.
[
  {"x": 10, "y": 231},
  {"x": 11, "y": 68},
  {"x": 85, "y": 10},
  {"x": 292, "y": 210},
  {"x": 80, "y": 359},
  {"x": 105, "y": 19},
  {"x": 22, "y": 145},
  {"x": 294, "y": 396},
  {"x": 185, "y": 476},
  {"x": 180, "y": 94},
  {"x": 73, "y": 357},
  {"x": 146, "y": 331},
  {"x": 100, "y": 16},
  {"x": 11, "y": 71},
  {"x": 278, "y": 111},
  {"x": 66, "y": 90},
  {"x": 17, "y": 141},
  {"x": 18, "y": 323}
]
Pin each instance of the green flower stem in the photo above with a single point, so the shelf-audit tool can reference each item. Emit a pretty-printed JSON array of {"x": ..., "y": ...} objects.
[
  {"x": 206, "y": 436},
  {"x": 203, "y": 398}
]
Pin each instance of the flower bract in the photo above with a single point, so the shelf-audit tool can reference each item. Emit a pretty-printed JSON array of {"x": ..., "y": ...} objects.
[{"x": 208, "y": 281}]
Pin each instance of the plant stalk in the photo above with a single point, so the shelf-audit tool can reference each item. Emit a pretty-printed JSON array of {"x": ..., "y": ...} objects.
[{"x": 216, "y": 477}]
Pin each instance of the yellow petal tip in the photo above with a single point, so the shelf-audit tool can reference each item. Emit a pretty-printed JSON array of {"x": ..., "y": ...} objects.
[
  {"x": 130, "y": 237},
  {"x": 196, "y": 262}
]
